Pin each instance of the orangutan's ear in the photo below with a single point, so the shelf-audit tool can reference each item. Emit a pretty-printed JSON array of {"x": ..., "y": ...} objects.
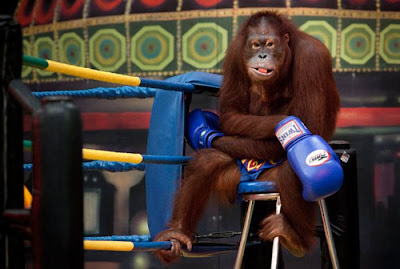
[{"x": 286, "y": 36}]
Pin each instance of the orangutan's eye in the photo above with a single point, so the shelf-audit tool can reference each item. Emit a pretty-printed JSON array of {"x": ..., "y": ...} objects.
[{"x": 255, "y": 45}]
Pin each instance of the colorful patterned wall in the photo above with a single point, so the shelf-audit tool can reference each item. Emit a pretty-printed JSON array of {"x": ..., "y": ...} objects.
[{"x": 169, "y": 37}]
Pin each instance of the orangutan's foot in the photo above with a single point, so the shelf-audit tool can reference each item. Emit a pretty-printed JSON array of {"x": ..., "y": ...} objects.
[
  {"x": 177, "y": 237},
  {"x": 277, "y": 225}
]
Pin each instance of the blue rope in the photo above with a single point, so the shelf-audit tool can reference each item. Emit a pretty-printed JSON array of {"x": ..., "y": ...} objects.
[
  {"x": 151, "y": 246},
  {"x": 121, "y": 167},
  {"x": 160, "y": 159},
  {"x": 28, "y": 167},
  {"x": 102, "y": 165},
  {"x": 112, "y": 166},
  {"x": 131, "y": 238},
  {"x": 141, "y": 242},
  {"x": 167, "y": 85},
  {"x": 107, "y": 93}
]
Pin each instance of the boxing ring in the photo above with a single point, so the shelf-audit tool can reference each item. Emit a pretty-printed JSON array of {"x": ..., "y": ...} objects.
[
  {"x": 163, "y": 163},
  {"x": 57, "y": 228},
  {"x": 165, "y": 142}
]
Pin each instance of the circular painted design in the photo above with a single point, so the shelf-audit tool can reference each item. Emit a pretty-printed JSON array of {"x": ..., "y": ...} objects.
[
  {"x": 152, "y": 48},
  {"x": 107, "y": 49},
  {"x": 25, "y": 12},
  {"x": 204, "y": 45},
  {"x": 72, "y": 49},
  {"x": 208, "y": 3},
  {"x": 45, "y": 11},
  {"x": 389, "y": 46},
  {"x": 358, "y": 2},
  {"x": 358, "y": 44},
  {"x": 71, "y": 8},
  {"x": 323, "y": 31},
  {"x": 107, "y": 5},
  {"x": 152, "y": 3},
  {"x": 26, "y": 49},
  {"x": 44, "y": 48}
]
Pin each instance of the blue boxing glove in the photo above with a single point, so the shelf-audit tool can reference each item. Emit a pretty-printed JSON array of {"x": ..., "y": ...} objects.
[
  {"x": 311, "y": 158},
  {"x": 202, "y": 128}
]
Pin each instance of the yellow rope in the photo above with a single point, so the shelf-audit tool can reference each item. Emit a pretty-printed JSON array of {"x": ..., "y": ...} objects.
[
  {"x": 92, "y": 74},
  {"x": 102, "y": 155},
  {"x": 27, "y": 198},
  {"x": 108, "y": 245}
]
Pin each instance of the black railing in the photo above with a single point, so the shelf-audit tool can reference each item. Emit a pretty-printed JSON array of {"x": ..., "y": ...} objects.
[{"x": 56, "y": 217}]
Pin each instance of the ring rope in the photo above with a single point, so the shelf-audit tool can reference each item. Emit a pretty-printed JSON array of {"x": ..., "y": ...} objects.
[
  {"x": 124, "y": 157},
  {"x": 27, "y": 198},
  {"x": 82, "y": 72},
  {"x": 102, "y": 165},
  {"x": 28, "y": 167},
  {"x": 112, "y": 166},
  {"x": 108, "y": 245},
  {"x": 166, "y": 85},
  {"x": 27, "y": 145},
  {"x": 89, "y": 73},
  {"x": 124, "y": 245},
  {"x": 102, "y": 155},
  {"x": 131, "y": 238},
  {"x": 100, "y": 92}
]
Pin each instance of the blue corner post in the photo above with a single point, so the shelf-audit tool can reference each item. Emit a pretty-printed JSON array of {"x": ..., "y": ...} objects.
[{"x": 166, "y": 137}]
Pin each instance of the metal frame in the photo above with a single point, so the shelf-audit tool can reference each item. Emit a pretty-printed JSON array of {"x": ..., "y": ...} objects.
[
  {"x": 251, "y": 198},
  {"x": 328, "y": 233}
]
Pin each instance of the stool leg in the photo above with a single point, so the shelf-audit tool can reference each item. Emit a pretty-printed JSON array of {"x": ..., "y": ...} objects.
[
  {"x": 328, "y": 234},
  {"x": 275, "y": 244},
  {"x": 245, "y": 232}
]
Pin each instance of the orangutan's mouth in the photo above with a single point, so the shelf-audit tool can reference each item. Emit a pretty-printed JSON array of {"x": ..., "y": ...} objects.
[{"x": 263, "y": 70}]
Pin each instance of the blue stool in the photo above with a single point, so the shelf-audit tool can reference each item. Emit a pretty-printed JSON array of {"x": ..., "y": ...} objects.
[{"x": 265, "y": 191}]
